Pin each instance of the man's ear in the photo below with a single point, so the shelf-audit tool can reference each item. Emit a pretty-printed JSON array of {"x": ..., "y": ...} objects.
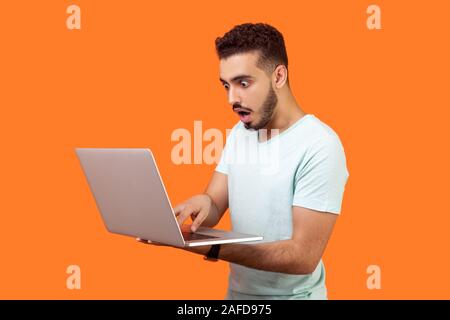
[{"x": 280, "y": 76}]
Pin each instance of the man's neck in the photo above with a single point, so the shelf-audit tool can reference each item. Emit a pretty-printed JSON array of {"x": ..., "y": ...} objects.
[{"x": 283, "y": 118}]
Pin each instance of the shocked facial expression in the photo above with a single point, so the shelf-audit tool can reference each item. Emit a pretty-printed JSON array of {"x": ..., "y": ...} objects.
[{"x": 249, "y": 89}]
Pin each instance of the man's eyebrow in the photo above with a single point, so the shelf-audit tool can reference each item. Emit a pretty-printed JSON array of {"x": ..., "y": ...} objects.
[{"x": 238, "y": 78}]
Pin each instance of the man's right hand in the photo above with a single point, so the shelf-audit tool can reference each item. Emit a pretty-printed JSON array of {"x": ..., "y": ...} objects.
[{"x": 198, "y": 208}]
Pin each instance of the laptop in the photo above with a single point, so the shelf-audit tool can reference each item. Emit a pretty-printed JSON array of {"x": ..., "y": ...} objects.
[{"x": 132, "y": 200}]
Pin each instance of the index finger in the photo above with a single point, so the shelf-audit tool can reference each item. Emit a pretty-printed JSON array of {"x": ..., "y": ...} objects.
[
  {"x": 185, "y": 213},
  {"x": 177, "y": 210}
]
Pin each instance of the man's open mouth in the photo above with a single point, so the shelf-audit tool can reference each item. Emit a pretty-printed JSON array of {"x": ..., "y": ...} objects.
[{"x": 244, "y": 115}]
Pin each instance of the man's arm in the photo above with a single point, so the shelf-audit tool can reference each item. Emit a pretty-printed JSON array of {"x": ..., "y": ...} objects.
[
  {"x": 298, "y": 255},
  {"x": 208, "y": 208},
  {"x": 217, "y": 190}
]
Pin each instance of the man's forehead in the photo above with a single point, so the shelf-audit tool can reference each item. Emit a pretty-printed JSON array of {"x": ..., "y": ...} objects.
[{"x": 239, "y": 64}]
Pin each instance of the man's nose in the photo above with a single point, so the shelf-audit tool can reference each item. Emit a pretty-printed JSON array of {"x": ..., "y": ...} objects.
[{"x": 233, "y": 97}]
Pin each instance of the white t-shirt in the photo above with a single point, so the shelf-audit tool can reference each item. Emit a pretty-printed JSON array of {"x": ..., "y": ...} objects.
[{"x": 303, "y": 166}]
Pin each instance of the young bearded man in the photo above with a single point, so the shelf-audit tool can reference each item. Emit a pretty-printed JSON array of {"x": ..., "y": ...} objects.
[{"x": 295, "y": 201}]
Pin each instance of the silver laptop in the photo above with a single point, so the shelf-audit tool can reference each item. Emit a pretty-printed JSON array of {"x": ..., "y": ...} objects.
[{"x": 133, "y": 201}]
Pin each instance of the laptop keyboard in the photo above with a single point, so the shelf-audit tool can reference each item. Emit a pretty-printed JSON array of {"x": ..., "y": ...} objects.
[{"x": 188, "y": 236}]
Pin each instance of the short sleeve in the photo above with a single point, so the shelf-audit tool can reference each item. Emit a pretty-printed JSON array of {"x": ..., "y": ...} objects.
[
  {"x": 227, "y": 152},
  {"x": 222, "y": 166},
  {"x": 321, "y": 176}
]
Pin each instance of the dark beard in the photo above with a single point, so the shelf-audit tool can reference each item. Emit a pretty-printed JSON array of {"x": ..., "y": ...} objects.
[{"x": 266, "y": 111}]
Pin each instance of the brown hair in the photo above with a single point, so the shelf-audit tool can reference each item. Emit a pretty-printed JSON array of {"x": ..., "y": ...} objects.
[{"x": 260, "y": 37}]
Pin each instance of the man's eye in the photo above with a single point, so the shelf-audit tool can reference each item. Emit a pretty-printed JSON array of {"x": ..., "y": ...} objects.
[
  {"x": 245, "y": 84},
  {"x": 226, "y": 86}
]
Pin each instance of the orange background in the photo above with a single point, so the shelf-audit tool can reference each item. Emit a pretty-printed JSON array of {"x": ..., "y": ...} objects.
[{"x": 138, "y": 70}]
